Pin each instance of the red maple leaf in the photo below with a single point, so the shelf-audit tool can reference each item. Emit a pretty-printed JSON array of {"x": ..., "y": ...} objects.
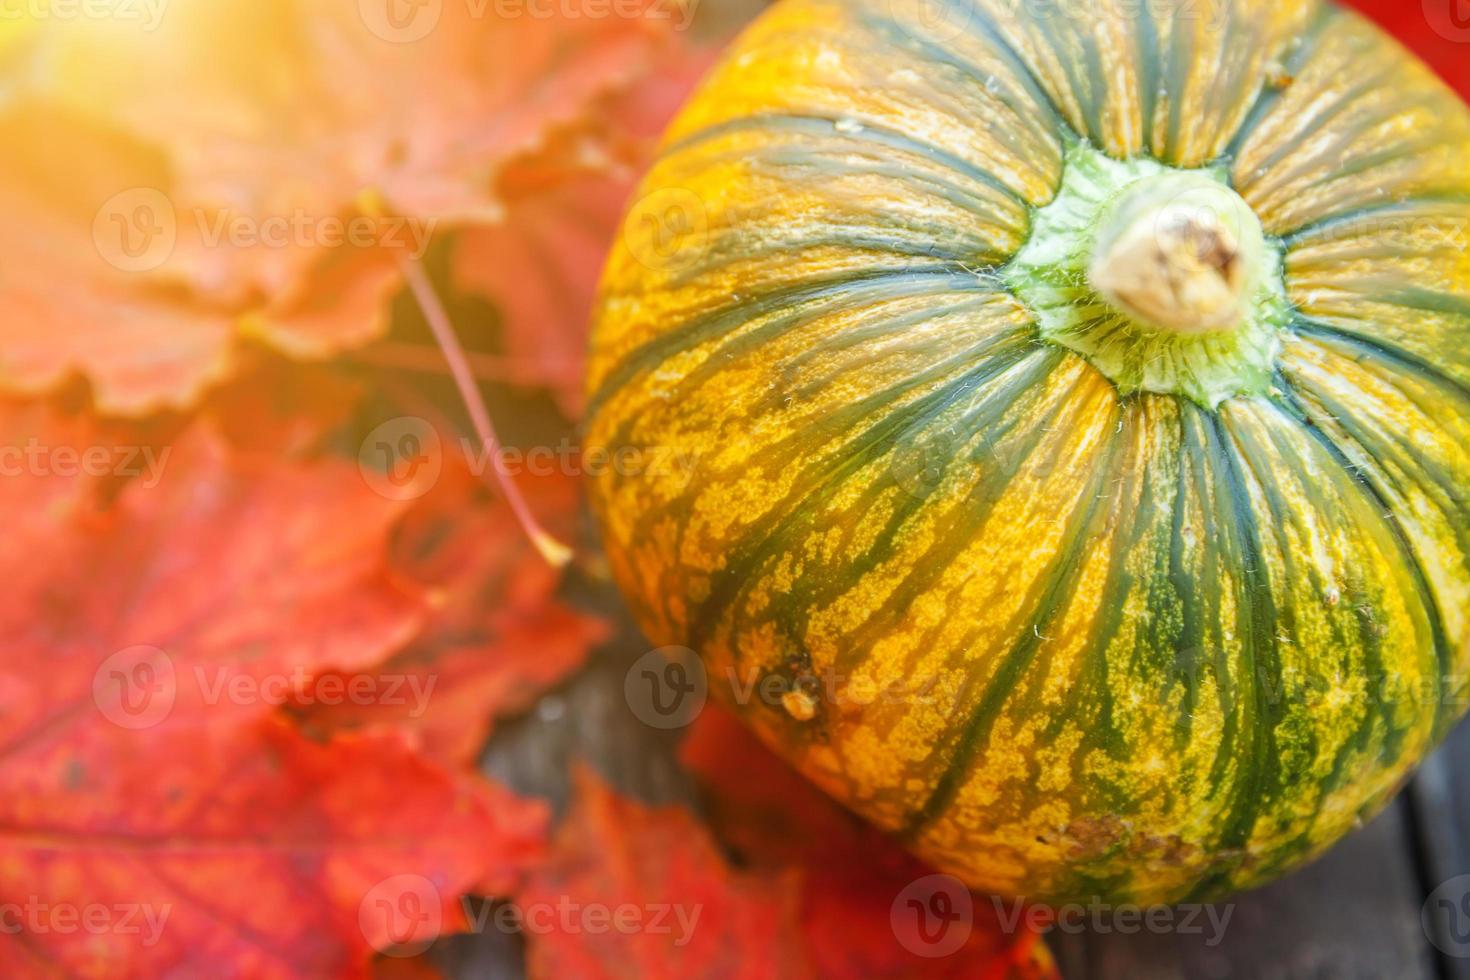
[
  {"x": 635, "y": 891},
  {"x": 238, "y": 851},
  {"x": 867, "y": 909},
  {"x": 153, "y": 817},
  {"x": 497, "y": 636},
  {"x": 222, "y": 582},
  {"x": 632, "y": 890}
]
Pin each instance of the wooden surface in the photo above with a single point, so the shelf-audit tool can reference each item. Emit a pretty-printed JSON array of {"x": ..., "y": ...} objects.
[{"x": 1356, "y": 913}]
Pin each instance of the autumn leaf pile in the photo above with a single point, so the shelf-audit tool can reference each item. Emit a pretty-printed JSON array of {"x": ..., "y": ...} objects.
[{"x": 263, "y": 600}]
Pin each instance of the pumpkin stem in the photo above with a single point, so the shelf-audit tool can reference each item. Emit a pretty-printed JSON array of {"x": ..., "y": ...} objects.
[
  {"x": 1162, "y": 278},
  {"x": 1179, "y": 252}
]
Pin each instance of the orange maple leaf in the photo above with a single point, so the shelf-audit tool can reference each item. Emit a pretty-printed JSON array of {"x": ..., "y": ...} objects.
[
  {"x": 261, "y": 168},
  {"x": 68, "y": 308}
]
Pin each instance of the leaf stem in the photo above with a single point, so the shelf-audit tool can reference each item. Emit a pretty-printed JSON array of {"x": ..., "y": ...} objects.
[{"x": 558, "y": 555}]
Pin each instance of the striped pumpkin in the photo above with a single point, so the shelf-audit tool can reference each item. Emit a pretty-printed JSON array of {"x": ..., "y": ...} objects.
[{"x": 1074, "y": 408}]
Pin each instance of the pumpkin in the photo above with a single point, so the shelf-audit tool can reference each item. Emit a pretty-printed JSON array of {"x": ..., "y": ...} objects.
[{"x": 1075, "y": 404}]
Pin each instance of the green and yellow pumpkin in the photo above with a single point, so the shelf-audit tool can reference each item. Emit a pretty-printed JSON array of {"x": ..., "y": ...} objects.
[{"x": 1077, "y": 398}]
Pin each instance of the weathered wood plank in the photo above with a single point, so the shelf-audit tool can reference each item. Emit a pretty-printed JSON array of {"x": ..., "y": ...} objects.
[
  {"x": 1353, "y": 914},
  {"x": 1439, "y": 805},
  {"x": 587, "y": 721},
  {"x": 1071, "y": 955}
]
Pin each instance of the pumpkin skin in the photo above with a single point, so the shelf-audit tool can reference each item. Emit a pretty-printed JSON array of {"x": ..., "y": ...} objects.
[{"x": 1067, "y": 636}]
